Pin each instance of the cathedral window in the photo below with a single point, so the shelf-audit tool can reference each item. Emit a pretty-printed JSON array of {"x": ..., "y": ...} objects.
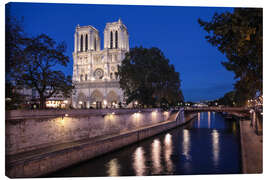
[
  {"x": 86, "y": 42},
  {"x": 116, "y": 39},
  {"x": 95, "y": 44},
  {"x": 86, "y": 77},
  {"x": 81, "y": 43},
  {"x": 111, "y": 41}
]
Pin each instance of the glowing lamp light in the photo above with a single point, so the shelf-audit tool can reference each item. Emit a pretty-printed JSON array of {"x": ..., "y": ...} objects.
[
  {"x": 105, "y": 102},
  {"x": 136, "y": 102},
  {"x": 113, "y": 113},
  {"x": 65, "y": 101},
  {"x": 66, "y": 115},
  {"x": 80, "y": 102}
]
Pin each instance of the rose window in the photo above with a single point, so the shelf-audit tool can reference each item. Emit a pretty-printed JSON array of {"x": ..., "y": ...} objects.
[{"x": 98, "y": 73}]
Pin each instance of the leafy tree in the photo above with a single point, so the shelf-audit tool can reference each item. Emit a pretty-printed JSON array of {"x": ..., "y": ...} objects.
[
  {"x": 147, "y": 77},
  {"x": 42, "y": 54},
  {"x": 15, "y": 43},
  {"x": 238, "y": 35},
  {"x": 228, "y": 99}
]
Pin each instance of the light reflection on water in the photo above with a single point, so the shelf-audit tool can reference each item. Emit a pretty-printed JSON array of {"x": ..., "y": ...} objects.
[
  {"x": 156, "y": 157},
  {"x": 186, "y": 144},
  {"x": 215, "y": 145},
  {"x": 168, "y": 152},
  {"x": 139, "y": 162},
  {"x": 209, "y": 119},
  {"x": 207, "y": 145},
  {"x": 113, "y": 167}
]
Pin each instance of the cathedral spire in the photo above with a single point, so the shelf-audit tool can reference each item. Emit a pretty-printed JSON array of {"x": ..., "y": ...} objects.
[{"x": 119, "y": 21}]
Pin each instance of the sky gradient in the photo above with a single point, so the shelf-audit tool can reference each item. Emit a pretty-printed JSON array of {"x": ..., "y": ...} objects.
[{"x": 174, "y": 30}]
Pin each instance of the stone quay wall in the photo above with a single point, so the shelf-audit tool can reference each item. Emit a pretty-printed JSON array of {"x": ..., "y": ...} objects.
[
  {"x": 136, "y": 125},
  {"x": 30, "y": 130}
]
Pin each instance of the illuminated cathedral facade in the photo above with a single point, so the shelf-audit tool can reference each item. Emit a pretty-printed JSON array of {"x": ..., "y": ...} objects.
[{"x": 94, "y": 69}]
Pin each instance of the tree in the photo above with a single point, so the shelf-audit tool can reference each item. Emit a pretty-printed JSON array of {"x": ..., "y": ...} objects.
[
  {"x": 228, "y": 99},
  {"x": 147, "y": 77},
  {"x": 238, "y": 35},
  {"x": 41, "y": 55},
  {"x": 14, "y": 45}
]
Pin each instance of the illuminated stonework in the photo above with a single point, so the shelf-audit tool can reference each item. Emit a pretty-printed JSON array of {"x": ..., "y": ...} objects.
[{"x": 94, "y": 70}]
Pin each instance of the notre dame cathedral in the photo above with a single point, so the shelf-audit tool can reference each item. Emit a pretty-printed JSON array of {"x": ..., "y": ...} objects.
[{"x": 94, "y": 69}]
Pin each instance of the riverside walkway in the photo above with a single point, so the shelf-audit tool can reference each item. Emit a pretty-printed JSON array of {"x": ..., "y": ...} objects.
[{"x": 251, "y": 148}]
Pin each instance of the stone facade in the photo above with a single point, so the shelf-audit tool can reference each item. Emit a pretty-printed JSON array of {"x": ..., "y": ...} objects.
[{"x": 94, "y": 70}]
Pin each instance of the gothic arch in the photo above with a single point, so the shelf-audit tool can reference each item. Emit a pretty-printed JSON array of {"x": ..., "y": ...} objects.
[
  {"x": 86, "y": 42},
  {"x": 81, "y": 97},
  {"x": 112, "y": 97},
  {"x": 96, "y": 96},
  {"x": 81, "y": 43},
  {"x": 116, "y": 39}
]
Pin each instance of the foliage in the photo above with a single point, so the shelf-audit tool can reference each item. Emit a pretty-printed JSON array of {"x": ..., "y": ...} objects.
[
  {"x": 147, "y": 77},
  {"x": 238, "y": 35},
  {"x": 228, "y": 99},
  {"x": 42, "y": 55},
  {"x": 14, "y": 45},
  {"x": 13, "y": 100}
]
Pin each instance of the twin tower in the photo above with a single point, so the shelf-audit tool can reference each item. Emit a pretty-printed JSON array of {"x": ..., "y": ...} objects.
[
  {"x": 94, "y": 69},
  {"x": 115, "y": 37}
]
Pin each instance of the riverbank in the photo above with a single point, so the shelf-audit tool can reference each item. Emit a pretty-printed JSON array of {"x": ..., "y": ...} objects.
[
  {"x": 46, "y": 160},
  {"x": 251, "y": 148}
]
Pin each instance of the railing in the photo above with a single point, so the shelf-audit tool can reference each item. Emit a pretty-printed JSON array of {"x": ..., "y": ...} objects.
[{"x": 216, "y": 109}]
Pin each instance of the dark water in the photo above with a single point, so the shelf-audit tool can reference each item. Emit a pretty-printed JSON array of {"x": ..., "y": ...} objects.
[{"x": 207, "y": 145}]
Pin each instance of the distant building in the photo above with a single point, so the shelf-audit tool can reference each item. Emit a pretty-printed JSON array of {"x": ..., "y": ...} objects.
[
  {"x": 94, "y": 70},
  {"x": 32, "y": 99},
  {"x": 200, "y": 105}
]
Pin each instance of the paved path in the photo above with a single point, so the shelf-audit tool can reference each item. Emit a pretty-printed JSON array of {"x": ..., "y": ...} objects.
[{"x": 251, "y": 149}]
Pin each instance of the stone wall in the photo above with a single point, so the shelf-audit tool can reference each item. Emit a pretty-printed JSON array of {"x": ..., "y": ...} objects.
[{"x": 30, "y": 130}]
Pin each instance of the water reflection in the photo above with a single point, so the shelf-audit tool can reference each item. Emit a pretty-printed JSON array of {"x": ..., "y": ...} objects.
[
  {"x": 186, "y": 144},
  {"x": 139, "y": 162},
  {"x": 199, "y": 118},
  {"x": 209, "y": 118},
  {"x": 113, "y": 167},
  {"x": 156, "y": 148},
  {"x": 178, "y": 151},
  {"x": 168, "y": 152},
  {"x": 215, "y": 143}
]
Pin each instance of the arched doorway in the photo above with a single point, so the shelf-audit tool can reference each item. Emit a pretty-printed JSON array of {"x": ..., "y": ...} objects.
[
  {"x": 96, "y": 99},
  {"x": 81, "y": 100},
  {"x": 113, "y": 99}
]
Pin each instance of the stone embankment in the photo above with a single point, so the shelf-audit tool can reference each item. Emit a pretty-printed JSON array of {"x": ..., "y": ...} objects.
[{"x": 38, "y": 143}]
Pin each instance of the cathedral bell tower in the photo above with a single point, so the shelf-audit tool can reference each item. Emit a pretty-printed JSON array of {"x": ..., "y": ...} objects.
[{"x": 116, "y": 36}]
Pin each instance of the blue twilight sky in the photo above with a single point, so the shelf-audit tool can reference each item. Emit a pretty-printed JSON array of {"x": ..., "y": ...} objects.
[{"x": 175, "y": 30}]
